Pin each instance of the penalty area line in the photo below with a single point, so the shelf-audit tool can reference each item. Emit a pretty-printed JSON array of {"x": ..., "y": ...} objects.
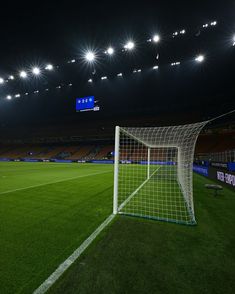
[{"x": 72, "y": 258}]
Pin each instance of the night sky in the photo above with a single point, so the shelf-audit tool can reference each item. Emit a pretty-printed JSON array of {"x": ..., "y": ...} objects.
[{"x": 40, "y": 33}]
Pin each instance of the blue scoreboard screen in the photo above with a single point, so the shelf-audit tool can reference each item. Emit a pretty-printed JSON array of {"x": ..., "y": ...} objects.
[{"x": 85, "y": 103}]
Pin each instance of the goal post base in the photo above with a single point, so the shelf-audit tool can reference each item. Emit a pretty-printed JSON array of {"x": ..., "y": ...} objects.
[{"x": 161, "y": 219}]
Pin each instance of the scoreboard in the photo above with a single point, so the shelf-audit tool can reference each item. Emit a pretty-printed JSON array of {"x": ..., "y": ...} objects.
[{"x": 86, "y": 104}]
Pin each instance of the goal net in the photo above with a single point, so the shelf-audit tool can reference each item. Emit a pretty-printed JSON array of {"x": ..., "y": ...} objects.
[{"x": 153, "y": 172}]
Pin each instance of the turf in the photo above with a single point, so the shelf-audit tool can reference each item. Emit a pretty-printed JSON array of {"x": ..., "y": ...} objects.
[
  {"x": 135, "y": 255},
  {"x": 159, "y": 198},
  {"x": 46, "y": 211}
]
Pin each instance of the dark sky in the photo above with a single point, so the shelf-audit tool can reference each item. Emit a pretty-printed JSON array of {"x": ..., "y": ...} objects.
[{"x": 48, "y": 32}]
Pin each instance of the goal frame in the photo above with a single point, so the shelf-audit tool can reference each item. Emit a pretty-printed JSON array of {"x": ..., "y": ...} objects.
[{"x": 181, "y": 176}]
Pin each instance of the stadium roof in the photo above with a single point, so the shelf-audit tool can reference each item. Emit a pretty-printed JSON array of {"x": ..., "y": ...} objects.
[{"x": 136, "y": 58}]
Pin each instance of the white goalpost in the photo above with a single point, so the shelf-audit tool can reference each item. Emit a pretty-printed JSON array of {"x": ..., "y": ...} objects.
[{"x": 153, "y": 172}]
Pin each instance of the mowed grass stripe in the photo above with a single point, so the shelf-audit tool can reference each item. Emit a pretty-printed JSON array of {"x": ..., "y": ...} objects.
[
  {"x": 41, "y": 227},
  {"x": 15, "y": 175},
  {"x": 54, "y": 182}
]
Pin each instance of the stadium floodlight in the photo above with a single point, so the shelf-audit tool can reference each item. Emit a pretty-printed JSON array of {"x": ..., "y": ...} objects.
[
  {"x": 70, "y": 84},
  {"x": 26, "y": 94},
  {"x": 119, "y": 74},
  {"x": 109, "y": 51},
  {"x": 214, "y": 23},
  {"x": 159, "y": 183},
  {"x": 17, "y": 95},
  {"x": 156, "y": 38},
  {"x": 234, "y": 40},
  {"x": 9, "y": 97},
  {"x": 36, "y": 71},
  {"x": 49, "y": 67},
  {"x": 129, "y": 45},
  {"x": 155, "y": 67},
  {"x": 205, "y": 25},
  {"x": 11, "y": 77},
  {"x": 182, "y": 32},
  {"x": 200, "y": 58},
  {"x": 90, "y": 81},
  {"x": 73, "y": 60},
  {"x": 1, "y": 81},
  {"x": 104, "y": 78},
  {"x": 90, "y": 56},
  {"x": 175, "y": 63},
  {"x": 23, "y": 74},
  {"x": 35, "y": 92}
]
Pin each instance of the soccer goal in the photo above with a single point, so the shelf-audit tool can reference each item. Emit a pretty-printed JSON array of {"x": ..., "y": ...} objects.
[{"x": 153, "y": 172}]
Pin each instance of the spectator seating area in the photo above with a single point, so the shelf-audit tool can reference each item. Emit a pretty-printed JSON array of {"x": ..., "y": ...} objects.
[{"x": 78, "y": 152}]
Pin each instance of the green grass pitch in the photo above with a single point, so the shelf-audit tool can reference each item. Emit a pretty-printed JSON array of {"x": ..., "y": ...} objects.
[{"x": 47, "y": 210}]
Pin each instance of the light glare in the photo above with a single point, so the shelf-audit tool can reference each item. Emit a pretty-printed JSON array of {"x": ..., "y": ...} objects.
[
  {"x": 36, "y": 71},
  {"x": 49, "y": 67},
  {"x": 110, "y": 51},
  {"x": 23, "y": 74},
  {"x": 156, "y": 38},
  {"x": 200, "y": 58},
  {"x": 1, "y": 80},
  {"x": 9, "y": 97},
  {"x": 129, "y": 45},
  {"x": 90, "y": 56}
]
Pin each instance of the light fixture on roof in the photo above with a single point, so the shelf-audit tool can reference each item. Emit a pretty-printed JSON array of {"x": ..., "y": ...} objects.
[
  {"x": 119, "y": 74},
  {"x": 205, "y": 25},
  {"x": 200, "y": 58},
  {"x": 9, "y": 97},
  {"x": 104, "y": 78},
  {"x": 90, "y": 56},
  {"x": 109, "y": 51},
  {"x": 155, "y": 67},
  {"x": 175, "y": 63},
  {"x": 1, "y": 81},
  {"x": 129, "y": 45},
  {"x": 156, "y": 38},
  {"x": 23, "y": 74},
  {"x": 214, "y": 23},
  {"x": 36, "y": 71},
  {"x": 182, "y": 32},
  {"x": 49, "y": 67},
  {"x": 17, "y": 95},
  {"x": 11, "y": 77},
  {"x": 90, "y": 81}
]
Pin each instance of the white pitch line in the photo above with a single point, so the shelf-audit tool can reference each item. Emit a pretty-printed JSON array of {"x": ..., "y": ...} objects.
[
  {"x": 71, "y": 259},
  {"x": 53, "y": 182}
]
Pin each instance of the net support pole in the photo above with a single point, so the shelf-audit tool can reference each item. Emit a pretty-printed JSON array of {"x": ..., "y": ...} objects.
[
  {"x": 116, "y": 167},
  {"x": 148, "y": 176}
]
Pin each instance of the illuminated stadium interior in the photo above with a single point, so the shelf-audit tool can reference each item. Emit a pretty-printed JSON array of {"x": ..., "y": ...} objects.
[{"x": 117, "y": 147}]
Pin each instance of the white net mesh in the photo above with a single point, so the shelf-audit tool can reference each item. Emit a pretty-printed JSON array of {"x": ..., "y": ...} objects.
[{"x": 153, "y": 172}]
